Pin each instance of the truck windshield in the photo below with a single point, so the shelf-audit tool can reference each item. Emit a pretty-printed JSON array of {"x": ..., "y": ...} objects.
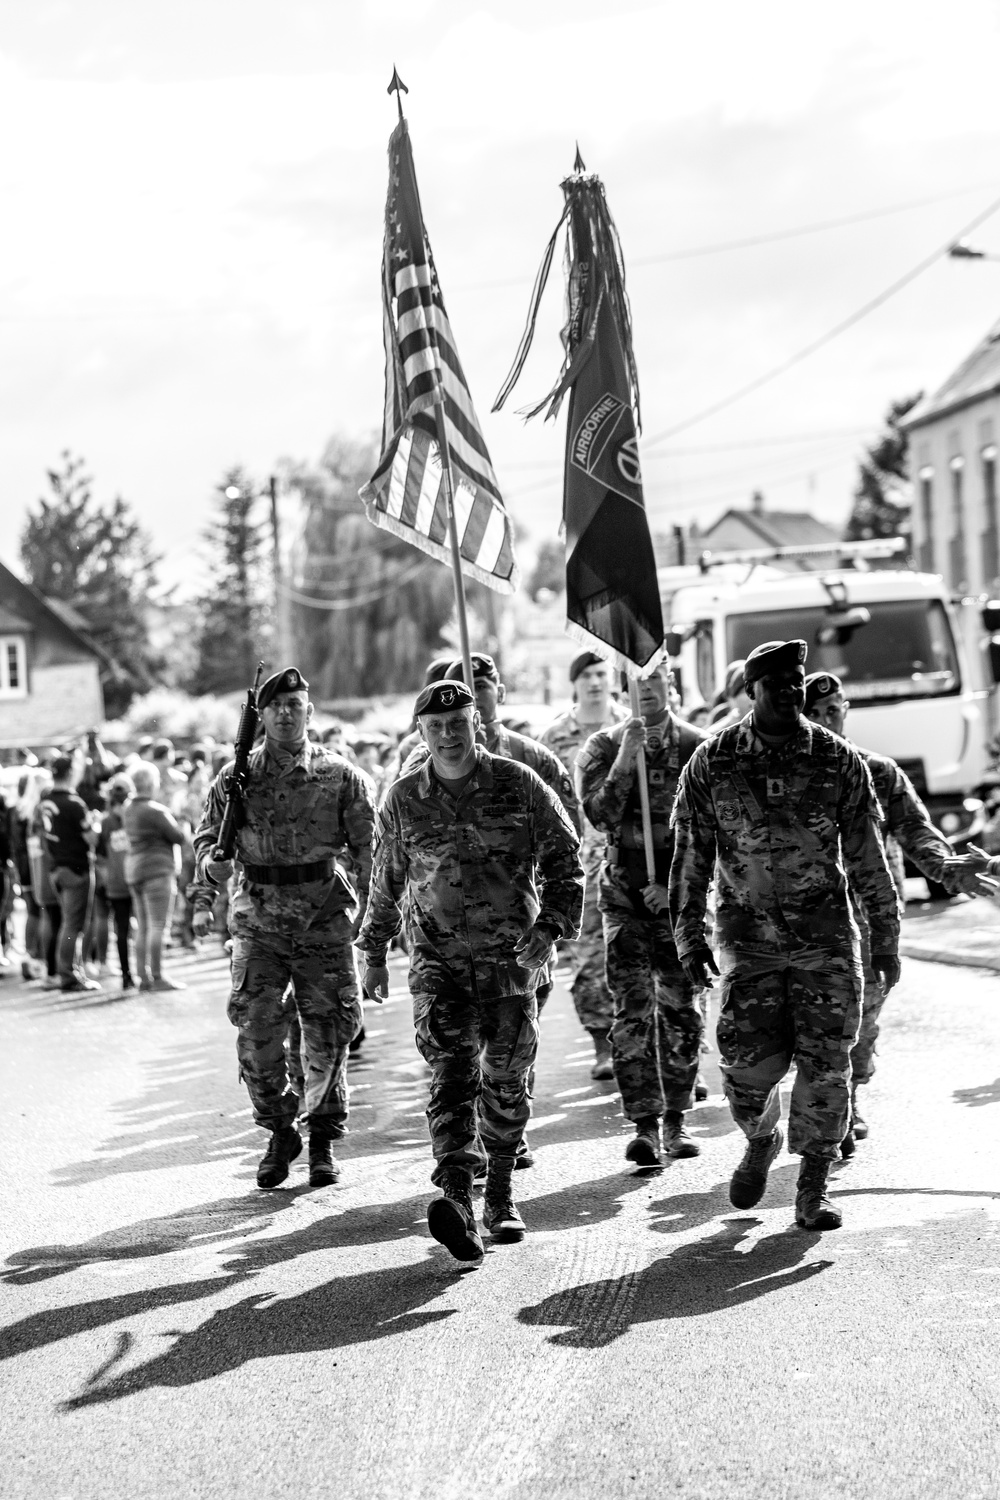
[{"x": 907, "y": 651}]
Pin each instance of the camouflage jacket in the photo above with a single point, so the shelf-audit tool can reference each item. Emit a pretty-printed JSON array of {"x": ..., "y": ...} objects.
[
  {"x": 906, "y": 817},
  {"x": 782, "y": 829},
  {"x": 566, "y": 736},
  {"x": 611, "y": 802},
  {"x": 499, "y": 740},
  {"x": 316, "y": 807},
  {"x": 470, "y": 869}
]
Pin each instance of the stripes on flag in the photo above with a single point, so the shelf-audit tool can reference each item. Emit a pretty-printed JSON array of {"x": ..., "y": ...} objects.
[{"x": 406, "y": 494}]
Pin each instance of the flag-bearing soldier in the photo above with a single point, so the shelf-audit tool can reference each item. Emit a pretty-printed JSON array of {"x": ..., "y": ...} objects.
[
  {"x": 593, "y": 708},
  {"x": 908, "y": 831},
  {"x": 487, "y": 863},
  {"x": 300, "y": 871},
  {"x": 783, "y": 813},
  {"x": 658, "y": 1026}
]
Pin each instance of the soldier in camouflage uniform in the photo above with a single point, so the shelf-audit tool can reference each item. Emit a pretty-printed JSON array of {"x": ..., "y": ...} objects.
[
  {"x": 488, "y": 863},
  {"x": 658, "y": 1025},
  {"x": 782, "y": 813},
  {"x": 908, "y": 831},
  {"x": 593, "y": 708},
  {"x": 307, "y": 815}
]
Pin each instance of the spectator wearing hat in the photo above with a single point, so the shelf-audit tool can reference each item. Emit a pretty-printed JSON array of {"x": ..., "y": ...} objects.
[
  {"x": 300, "y": 880},
  {"x": 593, "y": 708},
  {"x": 486, "y": 861},
  {"x": 908, "y": 831},
  {"x": 781, "y": 814},
  {"x": 658, "y": 1025}
]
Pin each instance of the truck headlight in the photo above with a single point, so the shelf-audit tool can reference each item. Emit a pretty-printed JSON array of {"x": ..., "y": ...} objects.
[{"x": 951, "y": 822}]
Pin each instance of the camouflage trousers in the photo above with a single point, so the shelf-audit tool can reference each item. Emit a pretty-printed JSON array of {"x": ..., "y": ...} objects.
[
  {"x": 479, "y": 1054},
  {"x": 776, "y": 1009},
  {"x": 318, "y": 973},
  {"x": 863, "y": 1051},
  {"x": 591, "y": 996},
  {"x": 658, "y": 1024}
]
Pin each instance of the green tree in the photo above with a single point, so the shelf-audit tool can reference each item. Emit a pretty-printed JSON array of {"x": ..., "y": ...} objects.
[
  {"x": 881, "y": 506},
  {"x": 234, "y": 613},
  {"x": 98, "y": 560}
]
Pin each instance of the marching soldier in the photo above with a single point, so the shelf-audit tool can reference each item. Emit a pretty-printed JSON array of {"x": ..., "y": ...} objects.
[
  {"x": 307, "y": 813},
  {"x": 658, "y": 1026},
  {"x": 776, "y": 809},
  {"x": 487, "y": 862},
  {"x": 593, "y": 708},
  {"x": 909, "y": 831}
]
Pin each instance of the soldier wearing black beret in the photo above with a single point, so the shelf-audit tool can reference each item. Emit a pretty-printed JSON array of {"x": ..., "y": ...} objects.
[
  {"x": 302, "y": 866},
  {"x": 780, "y": 813}
]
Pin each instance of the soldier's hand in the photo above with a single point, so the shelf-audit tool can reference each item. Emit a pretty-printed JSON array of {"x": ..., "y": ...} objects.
[
  {"x": 885, "y": 967},
  {"x": 972, "y": 884},
  {"x": 633, "y": 739},
  {"x": 376, "y": 982},
  {"x": 655, "y": 897},
  {"x": 218, "y": 869},
  {"x": 701, "y": 968},
  {"x": 974, "y": 859},
  {"x": 535, "y": 948},
  {"x": 202, "y": 923}
]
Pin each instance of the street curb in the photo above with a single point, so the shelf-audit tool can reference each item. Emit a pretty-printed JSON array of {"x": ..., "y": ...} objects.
[{"x": 934, "y": 955}]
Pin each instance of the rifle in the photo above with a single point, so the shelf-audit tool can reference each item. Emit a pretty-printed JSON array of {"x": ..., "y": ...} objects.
[{"x": 233, "y": 817}]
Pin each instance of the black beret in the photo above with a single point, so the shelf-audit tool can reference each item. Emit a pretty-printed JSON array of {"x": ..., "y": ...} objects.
[
  {"x": 482, "y": 666},
  {"x": 773, "y": 656},
  {"x": 442, "y": 697},
  {"x": 582, "y": 662},
  {"x": 821, "y": 685},
  {"x": 288, "y": 680}
]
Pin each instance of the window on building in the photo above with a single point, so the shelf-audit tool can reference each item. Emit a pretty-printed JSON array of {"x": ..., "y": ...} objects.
[
  {"x": 990, "y": 538},
  {"x": 927, "y": 519},
  {"x": 956, "y": 546},
  {"x": 13, "y": 667}
]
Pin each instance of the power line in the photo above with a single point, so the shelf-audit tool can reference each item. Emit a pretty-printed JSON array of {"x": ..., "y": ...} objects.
[
  {"x": 772, "y": 237},
  {"x": 788, "y": 439},
  {"x": 829, "y": 336},
  {"x": 370, "y": 597}
]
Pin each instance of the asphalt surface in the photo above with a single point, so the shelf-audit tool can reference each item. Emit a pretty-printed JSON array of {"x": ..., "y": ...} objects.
[{"x": 169, "y": 1330}]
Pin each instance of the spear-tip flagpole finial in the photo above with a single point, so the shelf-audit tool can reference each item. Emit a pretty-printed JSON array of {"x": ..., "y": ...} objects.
[
  {"x": 398, "y": 87},
  {"x": 578, "y": 164}
]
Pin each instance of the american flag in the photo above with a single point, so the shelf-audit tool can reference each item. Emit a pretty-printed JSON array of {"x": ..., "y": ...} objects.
[{"x": 406, "y": 494}]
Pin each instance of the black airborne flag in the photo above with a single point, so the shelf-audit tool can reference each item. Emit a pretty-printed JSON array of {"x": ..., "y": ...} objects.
[{"x": 612, "y": 596}]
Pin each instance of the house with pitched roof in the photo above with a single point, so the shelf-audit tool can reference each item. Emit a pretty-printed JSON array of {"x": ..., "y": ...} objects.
[
  {"x": 953, "y": 460},
  {"x": 50, "y": 683},
  {"x": 760, "y": 527}
]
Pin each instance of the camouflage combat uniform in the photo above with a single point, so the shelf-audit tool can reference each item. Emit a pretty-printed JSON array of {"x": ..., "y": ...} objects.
[
  {"x": 908, "y": 831},
  {"x": 477, "y": 871},
  {"x": 777, "y": 826},
  {"x": 595, "y": 1008},
  {"x": 305, "y": 809},
  {"x": 658, "y": 1026},
  {"x": 499, "y": 740}
]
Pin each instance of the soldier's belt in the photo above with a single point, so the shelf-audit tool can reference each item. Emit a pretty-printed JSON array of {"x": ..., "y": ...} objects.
[{"x": 321, "y": 869}]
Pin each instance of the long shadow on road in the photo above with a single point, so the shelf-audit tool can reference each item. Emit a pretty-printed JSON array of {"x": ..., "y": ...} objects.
[{"x": 349, "y": 1310}]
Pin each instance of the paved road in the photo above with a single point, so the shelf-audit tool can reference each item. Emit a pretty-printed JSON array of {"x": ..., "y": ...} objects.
[{"x": 171, "y": 1331}]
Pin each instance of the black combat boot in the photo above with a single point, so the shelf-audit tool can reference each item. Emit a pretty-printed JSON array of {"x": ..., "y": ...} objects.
[
  {"x": 324, "y": 1169},
  {"x": 676, "y": 1141},
  {"x": 859, "y": 1125},
  {"x": 355, "y": 1045},
  {"x": 747, "y": 1184},
  {"x": 451, "y": 1219},
  {"x": 848, "y": 1145},
  {"x": 603, "y": 1068},
  {"x": 644, "y": 1147},
  {"x": 525, "y": 1155},
  {"x": 700, "y": 1089},
  {"x": 813, "y": 1209},
  {"x": 284, "y": 1148},
  {"x": 500, "y": 1215}
]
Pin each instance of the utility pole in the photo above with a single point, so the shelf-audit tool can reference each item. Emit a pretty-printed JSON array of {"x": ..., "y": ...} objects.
[{"x": 283, "y": 644}]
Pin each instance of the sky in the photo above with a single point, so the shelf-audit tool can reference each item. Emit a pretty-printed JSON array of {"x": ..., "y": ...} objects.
[{"x": 193, "y": 200}]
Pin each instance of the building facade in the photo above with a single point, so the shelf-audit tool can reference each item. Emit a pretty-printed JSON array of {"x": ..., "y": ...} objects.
[
  {"x": 953, "y": 462},
  {"x": 50, "y": 685}
]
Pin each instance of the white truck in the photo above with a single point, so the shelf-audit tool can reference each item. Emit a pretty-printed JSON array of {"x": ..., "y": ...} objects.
[{"x": 916, "y": 665}]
